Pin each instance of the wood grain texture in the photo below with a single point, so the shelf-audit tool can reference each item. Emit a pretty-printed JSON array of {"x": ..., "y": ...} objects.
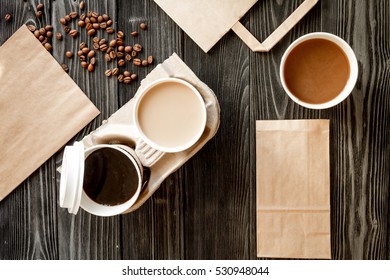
[{"x": 206, "y": 210}]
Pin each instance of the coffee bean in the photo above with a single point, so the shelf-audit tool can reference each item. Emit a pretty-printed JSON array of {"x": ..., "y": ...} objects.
[
  {"x": 95, "y": 15},
  {"x": 49, "y": 34},
  {"x": 112, "y": 54},
  {"x": 110, "y": 49},
  {"x": 92, "y": 61},
  {"x": 65, "y": 67},
  {"x": 107, "y": 57},
  {"x": 73, "y": 33},
  {"x": 38, "y": 14},
  {"x": 109, "y": 22},
  {"x": 102, "y": 41},
  {"x": 41, "y": 38},
  {"x": 134, "y": 53},
  {"x": 105, "y": 17},
  {"x": 96, "y": 26},
  {"x": 119, "y": 42},
  {"x": 134, "y": 33},
  {"x": 63, "y": 21},
  {"x": 68, "y": 18},
  {"x": 100, "y": 19},
  {"x": 115, "y": 71},
  {"x": 91, "y": 32},
  {"x": 82, "y": 5},
  {"x": 119, "y": 54},
  {"x": 120, "y": 78},
  {"x": 103, "y": 47},
  {"x": 8, "y": 17},
  {"x": 84, "y": 64},
  {"x": 96, "y": 46},
  {"x": 49, "y": 47},
  {"x": 120, "y": 34},
  {"x": 89, "y": 26},
  {"x": 144, "y": 63},
  {"x": 137, "y": 47},
  {"x": 127, "y": 74},
  {"x": 42, "y": 31},
  {"x": 82, "y": 17},
  {"x": 103, "y": 25},
  {"x": 82, "y": 58},
  {"x": 40, "y": 7},
  {"x": 73, "y": 15},
  {"x": 112, "y": 43},
  {"x": 109, "y": 30},
  {"x": 91, "y": 68},
  {"x": 134, "y": 77},
  {"x": 45, "y": 40},
  {"x": 121, "y": 62},
  {"x": 121, "y": 48},
  {"x": 89, "y": 13},
  {"x": 31, "y": 27},
  {"x": 69, "y": 54},
  {"x": 150, "y": 59},
  {"x": 137, "y": 61},
  {"x": 143, "y": 26},
  {"x": 93, "y": 20},
  {"x": 67, "y": 29},
  {"x": 128, "y": 57},
  {"x": 49, "y": 28},
  {"x": 108, "y": 73},
  {"x": 127, "y": 80},
  {"x": 37, "y": 34},
  {"x": 81, "y": 23},
  {"x": 91, "y": 54},
  {"x": 59, "y": 36},
  {"x": 82, "y": 45},
  {"x": 79, "y": 53},
  {"x": 85, "y": 50},
  {"x": 128, "y": 49}
]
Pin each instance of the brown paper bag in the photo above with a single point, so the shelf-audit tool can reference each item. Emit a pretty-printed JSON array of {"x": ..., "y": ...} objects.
[
  {"x": 293, "y": 201},
  {"x": 41, "y": 108}
]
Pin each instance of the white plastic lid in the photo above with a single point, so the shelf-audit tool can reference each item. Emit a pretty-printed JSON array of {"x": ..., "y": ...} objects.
[{"x": 72, "y": 175}]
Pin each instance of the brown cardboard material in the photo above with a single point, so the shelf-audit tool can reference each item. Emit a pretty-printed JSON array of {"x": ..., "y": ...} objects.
[
  {"x": 41, "y": 108},
  {"x": 293, "y": 196}
]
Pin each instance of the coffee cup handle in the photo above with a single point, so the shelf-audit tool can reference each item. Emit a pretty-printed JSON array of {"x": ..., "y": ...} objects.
[{"x": 146, "y": 154}]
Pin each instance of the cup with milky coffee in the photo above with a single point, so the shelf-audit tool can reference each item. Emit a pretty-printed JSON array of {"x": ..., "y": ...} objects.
[
  {"x": 170, "y": 116},
  {"x": 318, "y": 70}
]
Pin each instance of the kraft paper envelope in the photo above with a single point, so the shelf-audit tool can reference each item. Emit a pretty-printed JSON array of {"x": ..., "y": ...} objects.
[
  {"x": 293, "y": 196},
  {"x": 207, "y": 21},
  {"x": 41, "y": 108}
]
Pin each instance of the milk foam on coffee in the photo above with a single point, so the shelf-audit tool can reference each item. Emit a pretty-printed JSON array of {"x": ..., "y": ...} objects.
[{"x": 170, "y": 114}]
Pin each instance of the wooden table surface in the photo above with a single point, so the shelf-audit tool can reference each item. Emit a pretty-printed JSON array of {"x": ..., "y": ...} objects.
[{"x": 206, "y": 210}]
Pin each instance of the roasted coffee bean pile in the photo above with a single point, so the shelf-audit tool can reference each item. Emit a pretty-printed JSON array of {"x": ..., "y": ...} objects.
[{"x": 114, "y": 50}]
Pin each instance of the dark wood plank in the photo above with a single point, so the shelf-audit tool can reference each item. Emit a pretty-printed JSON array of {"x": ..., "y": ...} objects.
[
  {"x": 86, "y": 236},
  {"x": 155, "y": 231},
  {"x": 28, "y": 215}
]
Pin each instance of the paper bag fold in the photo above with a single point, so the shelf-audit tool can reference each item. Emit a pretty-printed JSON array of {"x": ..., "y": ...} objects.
[{"x": 292, "y": 198}]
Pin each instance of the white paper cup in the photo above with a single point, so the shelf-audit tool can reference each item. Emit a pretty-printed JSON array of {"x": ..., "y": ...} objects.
[{"x": 352, "y": 64}]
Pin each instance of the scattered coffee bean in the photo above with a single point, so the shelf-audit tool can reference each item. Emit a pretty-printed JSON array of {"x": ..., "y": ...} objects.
[
  {"x": 63, "y": 21},
  {"x": 41, "y": 38},
  {"x": 112, "y": 43},
  {"x": 59, "y": 36},
  {"x": 73, "y": 33},
  {"x": 8, "y": 17},
  {"x": 109, "y": 22},
  {"x": 134, "y": 33},
  {"x": 91, "y": 54},
  {"x": 103, "y": 47},
  {"x": 91, "y": 68},
  {"x": 150, "y": 59},
  {"x": 115, "y": 71},
  {"x": 45, "y": 40},
  {"x": 38, "y": 14},
  {"x": 119, "y": 42},
  {"x": 94, "y": 15},
  {"x": 82, "y": 17},
  {"x": 103, "y": 25},
  {"x": 88, "y": 25},
  {"x": 93, "y": 20},
  {"x": 133, "y": 53},
  {"x": 143, "y": 26},
  {"x": 73, "y": 15},
  {"x": 92, "y": 61},
  {"x": 69, "y": 54},
  {"x": 96, "y": 26},
  {"x": 121, "y": 48},
  {"x": 110, "y": 49},
  {"x": 105, "y": 17},
  {"x": 82, "y": 45},
  {"x": 107, "y": 57},
  {"x": 134, "y": 77},
  {"x": 113, "y": 55},
  {"x": 91, "y": 32},
  {"x": 31, "y": 27},
  {"x": 100, "y": 19},
  {"x": 137, "y": 47},
  {"x": 137, "y": 61},
  {"x": 119, "y": 54},
  {"x": 83, "y": 58},
  {"x": 82, "y": 5},
  {"x": 49, "y": 28},
  {"x": 84, "y": 64},
  {"x": 49, "y": 34},
  {"x": 36, "y": 34},
  {"x": 108, "y": 73},
  {"x": 102, "y": 41},
  {"x": 42, "y": 31},
  {"x": 128, "y": 49},
  {"x": 89, "y": 14},
  {"x": 40, "y": 7},
  {"x": 128, "y": 57},
  {"x": 126, "y": 73},
  {"x": 81, "y": 23},
  {"x": 120, "y": 78},
  {"x": 109, "y": 30},
  {"x": 85, "y": 50},
  {"x": 79, "y": 53},
  {"x": 65, "y": 67},
  {"x": 48, "y": 47},
  {"x": 120, "y": 34},
  {"x": 144, "y": 63},
  {"x": 121, "y": 62},
  {"x": 68, "y": 18},
  {"x": 127, "y": 80},
  {"x": 96, "y": 46},
  {"x": 67, "y": 29}
]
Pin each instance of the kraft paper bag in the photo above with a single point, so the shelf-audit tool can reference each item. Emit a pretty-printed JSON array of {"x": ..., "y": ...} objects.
[
  {"x": 41, "y": 108},
  {"x": 293, "y": 196}
]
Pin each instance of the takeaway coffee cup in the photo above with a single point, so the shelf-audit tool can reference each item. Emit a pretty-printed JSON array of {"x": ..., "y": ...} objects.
[
  {"x": 169, "y": 115},
  {"x": 104, "y": 180},
  {"x": 318, "y": 70}
]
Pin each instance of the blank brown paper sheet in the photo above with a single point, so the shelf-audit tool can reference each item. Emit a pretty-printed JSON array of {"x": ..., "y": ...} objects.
[
  {"x": 293, "y": 197},
  {"x": 41, "y": 108}
]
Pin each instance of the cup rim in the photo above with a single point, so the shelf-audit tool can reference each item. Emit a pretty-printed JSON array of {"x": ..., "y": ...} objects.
[
  {"x": 151, "y": 143},
  {"x": 98, "y": 209},
  {"x": 351, "y": 82}
]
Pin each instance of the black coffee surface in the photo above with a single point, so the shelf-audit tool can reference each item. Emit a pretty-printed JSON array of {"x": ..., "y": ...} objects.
[{"x": 110, "y": 178}]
